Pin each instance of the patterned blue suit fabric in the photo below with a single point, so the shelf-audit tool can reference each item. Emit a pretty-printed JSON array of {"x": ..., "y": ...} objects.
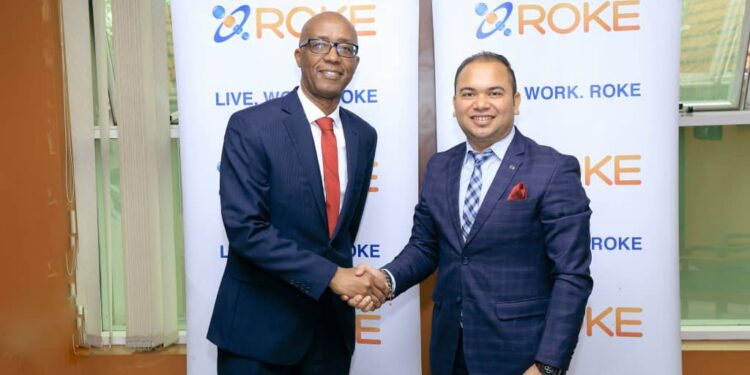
[{"x": 520, "y": 281}]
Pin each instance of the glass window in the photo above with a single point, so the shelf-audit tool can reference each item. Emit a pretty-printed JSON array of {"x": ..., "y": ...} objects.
[
  {"x": 114, "y": 309},
  {"x": 170, "y": 67},
  {"x": 111, "y": 263},
  {"x": 113, "y": 270},
  {"x": 712, "y": 53},
  {"x": 715, "y": 225}
]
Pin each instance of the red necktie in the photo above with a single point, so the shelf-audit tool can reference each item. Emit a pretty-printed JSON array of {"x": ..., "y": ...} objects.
[{"x": 330, "y": 171}]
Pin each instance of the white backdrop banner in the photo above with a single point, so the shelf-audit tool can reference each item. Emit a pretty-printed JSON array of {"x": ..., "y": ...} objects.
[
  {"x": 598, "y": 80},
  {"x": 234, "y": 54}
]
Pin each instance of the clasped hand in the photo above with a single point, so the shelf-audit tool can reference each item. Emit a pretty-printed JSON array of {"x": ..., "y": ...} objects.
[{"x": 362, "y": 287}]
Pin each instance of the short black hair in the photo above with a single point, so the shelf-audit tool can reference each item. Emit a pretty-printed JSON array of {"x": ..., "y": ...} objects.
[{"x": 486, "y": 56}]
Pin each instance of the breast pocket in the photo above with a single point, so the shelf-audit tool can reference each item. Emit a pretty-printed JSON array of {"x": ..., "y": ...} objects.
[
  {"x": 517, "y": 209},
  {"x": 512, "y": 221}
]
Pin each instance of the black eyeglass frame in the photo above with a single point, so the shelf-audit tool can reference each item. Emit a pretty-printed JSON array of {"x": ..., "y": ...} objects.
[{"x": 330, "y": 44}]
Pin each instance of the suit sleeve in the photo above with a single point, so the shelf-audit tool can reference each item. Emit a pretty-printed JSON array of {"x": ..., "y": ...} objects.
[
  {"x": 244, "y": 190},
  {"x": 565, "y": 215},
  {"x": 420, "y": 256}
]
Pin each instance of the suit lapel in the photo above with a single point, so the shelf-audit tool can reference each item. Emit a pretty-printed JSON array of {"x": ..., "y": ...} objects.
[
  {"x": 508, "y": 168},
  {"x": 454, "y": 184},
  {"x": 301, "y": 136},
  {"x": 352, "y": 164}
]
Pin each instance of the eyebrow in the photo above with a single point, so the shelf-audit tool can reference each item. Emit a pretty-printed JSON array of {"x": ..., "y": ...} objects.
[
  {"x": 488, "y": 89},
  {"x": 343, "y": 40}
]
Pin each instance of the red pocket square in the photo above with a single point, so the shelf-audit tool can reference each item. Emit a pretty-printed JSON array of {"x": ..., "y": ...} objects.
[{"x": 518, "y": 193}]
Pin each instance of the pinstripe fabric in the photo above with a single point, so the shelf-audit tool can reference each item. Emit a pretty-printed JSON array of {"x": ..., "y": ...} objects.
[
  {"x": 520, "y": 281},
  {"x": 281, "y": 256}
]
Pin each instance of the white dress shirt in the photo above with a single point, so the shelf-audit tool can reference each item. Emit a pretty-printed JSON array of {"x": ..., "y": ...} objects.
[
  {"x": 312, "y": 112},
  {"x": 489, "y": 170}
]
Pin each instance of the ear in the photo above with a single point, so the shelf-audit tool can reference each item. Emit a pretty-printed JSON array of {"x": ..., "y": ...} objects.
[
  {"x": 517, "y": 103},
  {"x": 298, "y": 57},
  {"x": 356, "y": 62}
]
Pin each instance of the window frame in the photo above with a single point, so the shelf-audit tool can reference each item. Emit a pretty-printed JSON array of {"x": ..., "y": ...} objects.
[
  {"x": 717, "y": 113},
  {"x": 738, "y": 98},
  {"x": 716, "y": 331}
]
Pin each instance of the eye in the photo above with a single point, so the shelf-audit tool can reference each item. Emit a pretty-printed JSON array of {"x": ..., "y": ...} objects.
[
  {"x": 318, "y": 45},
  {"x": 467, "y": 94},
  {"x": 496, "y": 93},
  {"x": 347, "y": 49}
]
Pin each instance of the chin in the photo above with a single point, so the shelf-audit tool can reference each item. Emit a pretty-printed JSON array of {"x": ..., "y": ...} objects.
[
  {"x": 482, "y": 136},
  {"x": 329, "y": 88}
]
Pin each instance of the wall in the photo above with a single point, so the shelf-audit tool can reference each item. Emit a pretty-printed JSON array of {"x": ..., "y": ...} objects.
[
  {"x": 37, "y": 317},
  {"x": 715, "y": 362}
]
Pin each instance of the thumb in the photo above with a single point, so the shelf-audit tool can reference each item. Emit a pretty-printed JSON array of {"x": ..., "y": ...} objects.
[{"x": 360, "y": 270}]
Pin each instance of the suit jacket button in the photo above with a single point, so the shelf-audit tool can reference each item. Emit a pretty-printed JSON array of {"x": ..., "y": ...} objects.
[
  {"x": 458, "y": 299},
  {"x": 465, "y": 260}
]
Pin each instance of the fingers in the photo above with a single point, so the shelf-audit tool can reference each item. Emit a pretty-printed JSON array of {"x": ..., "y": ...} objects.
[
  {"x": 378, "y": 293},
  {"x": 376, "y": 285},
  {"x": 359, "y": 302},
  {"x": 368, "y": 304},
  {"x": 381, "y": 290},
  {"x": 362, "y": 280},
  {"x": 355, "y": 301},
  {"x": 380, "y": 283},
  {"x": 370, "y": 307},
  {"x": 365, "y": 304}
]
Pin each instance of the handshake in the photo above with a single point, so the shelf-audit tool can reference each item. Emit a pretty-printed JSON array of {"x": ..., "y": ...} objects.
[{"x": 362, "y": 287}]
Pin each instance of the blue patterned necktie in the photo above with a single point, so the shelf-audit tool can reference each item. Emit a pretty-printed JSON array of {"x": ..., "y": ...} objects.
[{"x": 471, "y": 202}]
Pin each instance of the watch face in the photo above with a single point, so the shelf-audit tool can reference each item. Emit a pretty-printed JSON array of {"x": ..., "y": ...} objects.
[{"x": 549, "y": 370}]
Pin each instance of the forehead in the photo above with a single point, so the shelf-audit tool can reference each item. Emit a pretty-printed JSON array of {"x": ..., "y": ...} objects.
[
  {"x": 330, "y": 27},
  {"x": 484, "y": 73}
]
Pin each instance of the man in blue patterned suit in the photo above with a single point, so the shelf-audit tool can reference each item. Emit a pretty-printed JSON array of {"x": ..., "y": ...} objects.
[
  {"x": 295, "y": 172},
  {"x": 505, "y": 222}
]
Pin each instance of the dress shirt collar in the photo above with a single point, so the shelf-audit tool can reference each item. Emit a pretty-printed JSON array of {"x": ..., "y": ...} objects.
[
  {"x": 499, "y": 148},
  {"x": 312, "y": 112}
]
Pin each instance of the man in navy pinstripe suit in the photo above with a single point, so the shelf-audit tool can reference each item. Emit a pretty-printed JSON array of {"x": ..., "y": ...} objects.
[
  {"x": 295, "y": 172},
  {"x": 505, "y": 221}
]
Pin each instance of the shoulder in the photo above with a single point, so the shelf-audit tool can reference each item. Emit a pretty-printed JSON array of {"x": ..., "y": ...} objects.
[
  {"x": 259, "y": 115},
  {"x": 441, "y": 160},
  {"x": 546, "y": 155}
]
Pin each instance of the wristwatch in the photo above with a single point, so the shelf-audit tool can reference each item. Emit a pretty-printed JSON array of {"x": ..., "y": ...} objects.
[
  {"x": 546, "y": 369},
  {"x": 389, "y": 283}
]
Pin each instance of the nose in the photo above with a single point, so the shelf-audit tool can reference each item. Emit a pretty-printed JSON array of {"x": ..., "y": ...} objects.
[
  {"x": 481, "y": 102},
  {"x": 332, "y": 55}
]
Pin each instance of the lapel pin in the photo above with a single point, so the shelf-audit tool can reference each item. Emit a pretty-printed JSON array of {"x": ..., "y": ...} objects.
[{"x": 512, "y": 167}]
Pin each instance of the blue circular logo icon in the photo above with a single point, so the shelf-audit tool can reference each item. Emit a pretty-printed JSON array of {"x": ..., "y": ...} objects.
[
  {"x": 493, "y": 22},
  {"x": 229, "y": 26}
]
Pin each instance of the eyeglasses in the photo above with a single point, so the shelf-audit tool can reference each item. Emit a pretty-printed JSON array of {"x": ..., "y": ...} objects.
[{"x": 322, "y": 47}]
